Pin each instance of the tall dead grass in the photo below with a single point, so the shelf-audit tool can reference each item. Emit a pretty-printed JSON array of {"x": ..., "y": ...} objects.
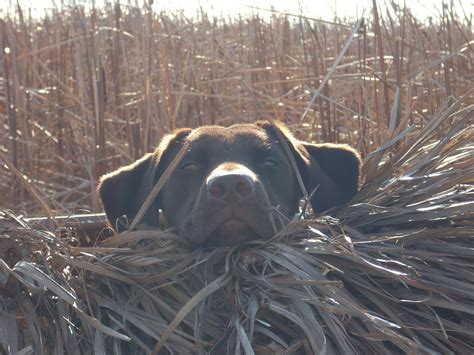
[
  {"x": 391, "y": 273},
  {"x": 84, "y": 92}
]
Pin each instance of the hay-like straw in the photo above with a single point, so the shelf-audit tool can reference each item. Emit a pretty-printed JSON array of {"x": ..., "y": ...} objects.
[{"x": 391, "y": 272}]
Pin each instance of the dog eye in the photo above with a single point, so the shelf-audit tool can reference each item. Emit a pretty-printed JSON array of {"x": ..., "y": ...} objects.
[
  {"x": 270, "y": 163},
  {"x": 189, "y": 167}
]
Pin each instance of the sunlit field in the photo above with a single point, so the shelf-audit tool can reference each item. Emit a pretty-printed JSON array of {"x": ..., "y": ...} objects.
[{"x": 85, "y": 90}]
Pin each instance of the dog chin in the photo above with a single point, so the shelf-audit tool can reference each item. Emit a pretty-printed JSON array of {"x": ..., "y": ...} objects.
[
  {"x": 225, "y": 227},
  {"x": 231, "y": 233}
]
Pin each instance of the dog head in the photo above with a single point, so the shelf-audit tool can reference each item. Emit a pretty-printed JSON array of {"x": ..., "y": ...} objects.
[{"x": 234, "y": 184}]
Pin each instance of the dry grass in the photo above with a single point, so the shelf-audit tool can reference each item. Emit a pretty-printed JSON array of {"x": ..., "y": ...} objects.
[
  {"x": 84, "y": 93},
  {"x": 390, "y": 273}
]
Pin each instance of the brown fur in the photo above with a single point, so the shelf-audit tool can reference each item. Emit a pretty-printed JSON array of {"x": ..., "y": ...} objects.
[{"x": 252, "y": 177}]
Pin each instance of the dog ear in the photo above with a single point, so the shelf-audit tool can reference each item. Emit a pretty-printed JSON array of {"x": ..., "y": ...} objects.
[
  {"x": 333, "y": 174},
  {"x": 123, "y": 191},
  {"x": 330, "y": 170}
]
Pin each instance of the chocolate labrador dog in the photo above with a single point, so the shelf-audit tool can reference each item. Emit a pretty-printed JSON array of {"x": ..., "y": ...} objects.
[{"x": 234, "y": 184}]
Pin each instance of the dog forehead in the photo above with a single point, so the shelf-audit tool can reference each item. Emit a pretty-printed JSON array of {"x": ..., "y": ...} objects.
[{"x": 240, "y": 135}]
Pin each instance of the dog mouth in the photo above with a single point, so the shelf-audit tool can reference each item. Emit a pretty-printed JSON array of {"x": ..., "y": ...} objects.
[
  {"x": 231, "y": 232},
  {"x": 229, "y": 224},
  {"x": 232, "y": 225},
  {"x": 225, "y": 227}
]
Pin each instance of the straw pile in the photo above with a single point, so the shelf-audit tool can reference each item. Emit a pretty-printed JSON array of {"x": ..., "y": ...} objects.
[{"x": 391, "y": 272}]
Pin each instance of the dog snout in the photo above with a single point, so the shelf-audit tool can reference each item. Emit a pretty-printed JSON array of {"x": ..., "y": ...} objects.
[{"x": 226, "y": 183}]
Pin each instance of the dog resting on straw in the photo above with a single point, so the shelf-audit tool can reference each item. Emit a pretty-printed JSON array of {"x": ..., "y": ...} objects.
[
  {"x": 233, "y": 184},
  {"x": 391, "y": 272}
]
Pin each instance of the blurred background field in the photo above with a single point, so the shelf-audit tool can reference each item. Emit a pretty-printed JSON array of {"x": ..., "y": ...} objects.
[{"x": 85, "y": 90}]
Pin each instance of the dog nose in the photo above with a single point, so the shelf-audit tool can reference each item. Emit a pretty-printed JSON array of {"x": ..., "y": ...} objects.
[{"x": 222, "y": 184}]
